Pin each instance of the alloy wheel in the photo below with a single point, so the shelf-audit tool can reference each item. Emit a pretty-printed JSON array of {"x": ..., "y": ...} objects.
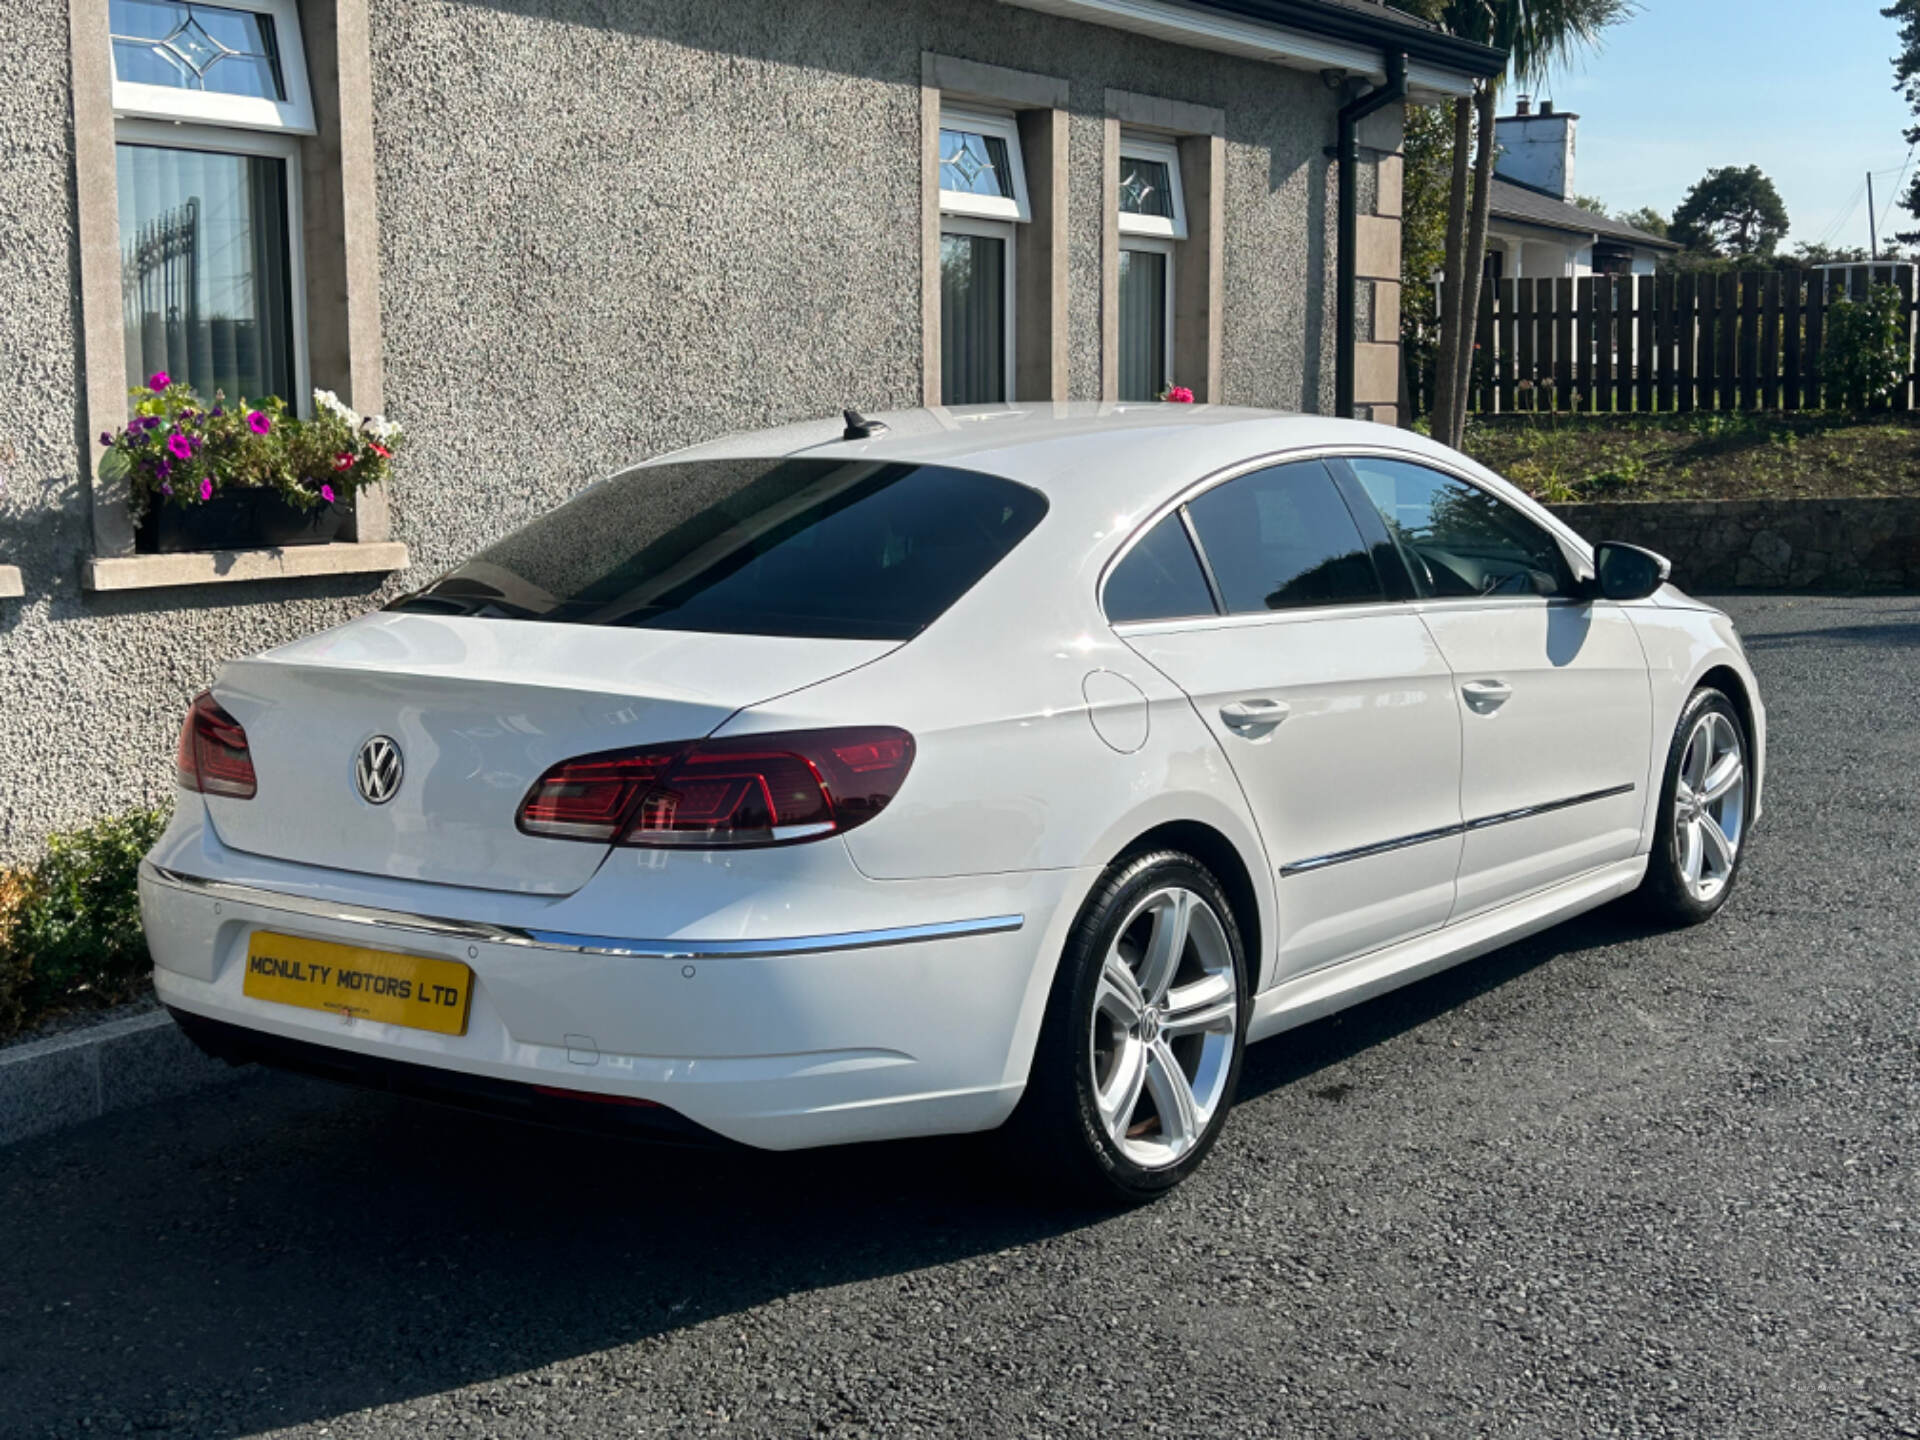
[
  {"x": 1165, "y": 1023},
  {"x": 1709, "y": 806}
]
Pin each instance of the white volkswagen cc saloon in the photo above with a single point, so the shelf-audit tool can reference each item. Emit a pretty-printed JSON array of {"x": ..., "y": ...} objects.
[{"x": 943, "y": 771}]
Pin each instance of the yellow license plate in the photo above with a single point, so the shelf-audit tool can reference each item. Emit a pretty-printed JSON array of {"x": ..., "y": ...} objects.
[{"x": 365, "y": 984}]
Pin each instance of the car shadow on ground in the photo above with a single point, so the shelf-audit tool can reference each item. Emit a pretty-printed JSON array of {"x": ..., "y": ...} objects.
[{"x": 282, "y": 1251}]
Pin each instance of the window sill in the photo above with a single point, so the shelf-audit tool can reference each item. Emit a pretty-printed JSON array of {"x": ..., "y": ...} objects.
[
  {"x": 11, "y": 587},
  {"x": 222, "y": 567}
]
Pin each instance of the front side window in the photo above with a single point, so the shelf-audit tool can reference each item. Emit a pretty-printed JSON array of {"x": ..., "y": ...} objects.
[
  {"x": 1153, "y": 217},
  {"x": 1460, "y": 540},
  {"x": 983, "y": 197},
  {"x": 1281, "y": 539},
  {"x": 825, "y": 549}
]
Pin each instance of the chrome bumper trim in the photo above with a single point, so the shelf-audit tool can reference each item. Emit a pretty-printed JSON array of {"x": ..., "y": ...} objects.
[{"x": 344, "y": 913}]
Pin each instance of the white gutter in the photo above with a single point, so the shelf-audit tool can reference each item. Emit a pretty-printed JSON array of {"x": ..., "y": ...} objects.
[{"x": 1273, "y": 44}]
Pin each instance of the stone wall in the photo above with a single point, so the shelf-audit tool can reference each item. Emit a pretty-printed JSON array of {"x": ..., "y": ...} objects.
[{"x": 1821, "y": 545}]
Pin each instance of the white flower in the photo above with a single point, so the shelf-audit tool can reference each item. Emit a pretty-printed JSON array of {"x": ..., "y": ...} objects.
[
  {"x": 380, "y": 427},
  {"x": 327, "y": 400}
]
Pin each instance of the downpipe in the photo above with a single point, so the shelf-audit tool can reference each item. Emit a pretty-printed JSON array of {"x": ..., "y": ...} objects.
[{"x": 1347, "y": 243}]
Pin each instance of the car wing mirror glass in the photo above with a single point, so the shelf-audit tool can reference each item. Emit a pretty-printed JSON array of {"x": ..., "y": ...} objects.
[{"x": 1628, "y": 572}]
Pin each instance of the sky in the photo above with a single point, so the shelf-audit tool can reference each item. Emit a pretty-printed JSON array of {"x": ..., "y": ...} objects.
[{"x": 1803, "y": 91}]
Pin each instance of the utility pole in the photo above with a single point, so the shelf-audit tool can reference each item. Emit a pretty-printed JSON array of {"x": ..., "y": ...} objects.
[{"x": 1873, "y": 225}]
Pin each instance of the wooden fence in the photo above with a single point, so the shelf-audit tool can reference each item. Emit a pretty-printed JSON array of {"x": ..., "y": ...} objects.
[{"x": 1651, "y": 343}]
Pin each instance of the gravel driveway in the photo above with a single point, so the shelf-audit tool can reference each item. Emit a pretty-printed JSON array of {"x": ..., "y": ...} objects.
[{"x": 1603, "y": 1182}]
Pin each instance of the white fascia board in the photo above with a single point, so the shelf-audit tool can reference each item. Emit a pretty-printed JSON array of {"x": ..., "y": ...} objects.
[{"x": 1274, "y": 44}]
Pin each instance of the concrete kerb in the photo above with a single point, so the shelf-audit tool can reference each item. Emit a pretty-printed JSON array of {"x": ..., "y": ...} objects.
[{"x": 79, "y": 1075}]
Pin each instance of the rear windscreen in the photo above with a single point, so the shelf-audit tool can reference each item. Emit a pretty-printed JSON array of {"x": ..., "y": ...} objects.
[{"x": 828, "y": 549}]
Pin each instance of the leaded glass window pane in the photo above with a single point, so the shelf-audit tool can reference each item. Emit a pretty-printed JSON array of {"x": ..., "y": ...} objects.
[
  {"x": 1143, "y": 324},
  {"x": 973, "y": 319},
  {"x": 184, "y": 46},
  {"x": 974, "y": 164},
  {"x": 1145, "y": 188},
  {"x": 204, "y": 271}
]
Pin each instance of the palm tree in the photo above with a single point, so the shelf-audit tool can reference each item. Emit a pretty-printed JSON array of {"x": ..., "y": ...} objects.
[{"x": 1538, "y": 35}]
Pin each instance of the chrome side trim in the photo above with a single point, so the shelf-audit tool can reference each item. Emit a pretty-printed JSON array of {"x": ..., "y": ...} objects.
[
  {"x": 1363, "y": 852},
  {"x": 1526, "y": 812},
  {"x": 472, "y": 930},
  {"x": 1505, "y": 817}
]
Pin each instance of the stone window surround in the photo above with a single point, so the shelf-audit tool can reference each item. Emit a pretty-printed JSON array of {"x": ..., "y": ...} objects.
[
  {"x": 1039, "y": 103},
  {"x": 1199, "y": 272},
  {"x": 339, "y": 230}
]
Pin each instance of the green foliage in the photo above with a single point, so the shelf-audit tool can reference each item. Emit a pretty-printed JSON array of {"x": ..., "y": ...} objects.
[
  {"x": 70, "y": 924},
  {"x": 1906, "y": 79},
  {"x": 1426, "y": 173},
  {"x": 1592, "y": 203},
  {"x": 179, "y": 450},
  {"x": 1865, "y": 353},
  {"x": 1733, "y": 210},
  {"x": 1645, "y": 218}
]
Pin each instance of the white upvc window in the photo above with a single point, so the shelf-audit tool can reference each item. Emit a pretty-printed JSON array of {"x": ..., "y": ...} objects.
[
  {"x": 983, "y": 197},
  {"x": 236, "y": 63},
  {"x": 1151, "y": 202},
  {"x": 209, "y": 104},
  {"x": 1153, "y": 216}
]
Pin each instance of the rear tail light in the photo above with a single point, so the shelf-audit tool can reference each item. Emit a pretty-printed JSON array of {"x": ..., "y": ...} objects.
[
  {"x": 750, "y": 790},
  {"x": 212, "y": 756}
]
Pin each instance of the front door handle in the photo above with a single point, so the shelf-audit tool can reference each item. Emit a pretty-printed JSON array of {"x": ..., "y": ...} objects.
[
  {"x": 1486, "y": 696},
  {"x": 1254, "y": 717}
]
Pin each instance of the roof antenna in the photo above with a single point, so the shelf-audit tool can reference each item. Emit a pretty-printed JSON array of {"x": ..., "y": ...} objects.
[{"x": 861, "y": 428}]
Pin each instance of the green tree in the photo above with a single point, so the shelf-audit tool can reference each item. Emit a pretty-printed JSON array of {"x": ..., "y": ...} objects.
[
  {"x": 1906, "y": 79},
  {"x": 1428, "y": 151},
  {"x": 1733, "y": 210},
  {"x": 1537, "y": 35},
  {"x": 1591, "y": 202},
  {"x": 1645, "y": 218}
]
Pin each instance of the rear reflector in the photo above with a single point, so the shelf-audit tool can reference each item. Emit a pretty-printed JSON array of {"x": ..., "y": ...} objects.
[
  {"x": 750, "y": 790},
  {"x": 212, "y": 755}
]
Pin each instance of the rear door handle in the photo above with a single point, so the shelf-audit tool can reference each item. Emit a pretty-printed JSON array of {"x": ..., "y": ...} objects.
[
  {"x": 1252, "y": 717},
  {"x": 1486, "y": 696}
]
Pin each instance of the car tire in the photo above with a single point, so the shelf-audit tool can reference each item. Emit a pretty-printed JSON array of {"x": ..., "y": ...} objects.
[
  {"x": 1699, "y": 838},
  {"x": 1140, "y": 1049}
]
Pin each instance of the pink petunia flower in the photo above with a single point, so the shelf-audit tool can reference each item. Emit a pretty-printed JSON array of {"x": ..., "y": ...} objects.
[
  {"x": 1179, "y": 395},
  {"x": 326, "y": 493},
  {"x": 258, "y": 422},
  {"x": 343, "y": 461},
  {"x": 206, "y": 488},
  {"x": 159, "y": 380},
  {"x": 179, "y": 446}
]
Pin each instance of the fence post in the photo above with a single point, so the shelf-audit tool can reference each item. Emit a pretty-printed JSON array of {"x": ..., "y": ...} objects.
[
  {"x": 1482, "y": 372},
  {"x": 1646, "y": 317},
  {"x": 1770, "y": 343},
  {"x": 1524, "y": 378},
  {"x": 1563, "y": 392},
  {"x": 1686, "y": 336},
  {"x": 1583, "y": 347},
  {"x": 1790, "y": 332},
  {"x": 1603, "y": 342},
  {"x": 1663, "y": 337},
  {"x": 1729, "y": 331},
  {"x": 1622, "y": 342},
  {"x": 1505, "y": 343},
  {"x": 1817, "y": 283}
]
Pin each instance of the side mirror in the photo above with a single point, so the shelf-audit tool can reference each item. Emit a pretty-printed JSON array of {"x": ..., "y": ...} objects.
[{"x": 1627, "y": 572}]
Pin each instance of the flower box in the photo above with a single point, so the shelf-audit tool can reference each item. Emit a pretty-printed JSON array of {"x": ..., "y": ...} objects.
[{"x": 238, "y": 520}]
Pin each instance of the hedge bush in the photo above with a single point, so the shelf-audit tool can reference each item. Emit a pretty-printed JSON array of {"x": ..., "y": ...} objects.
[{"x": 70, "y": 935}]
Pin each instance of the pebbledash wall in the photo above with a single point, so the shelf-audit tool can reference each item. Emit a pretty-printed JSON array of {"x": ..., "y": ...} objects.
[{"x": 604, "y": 231}]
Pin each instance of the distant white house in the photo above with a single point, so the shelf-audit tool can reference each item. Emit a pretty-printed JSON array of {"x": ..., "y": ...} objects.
[{"x": 1535, "y": 230}]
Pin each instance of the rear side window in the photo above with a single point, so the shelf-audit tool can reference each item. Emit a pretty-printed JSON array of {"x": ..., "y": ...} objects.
[
  {"x": 825, "y": 549},
  {"x": 1282, "y": 538},
  {"x": 1160, "y": 578}
]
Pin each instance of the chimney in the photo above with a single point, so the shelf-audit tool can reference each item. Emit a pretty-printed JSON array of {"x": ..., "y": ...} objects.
[{"x": 1536, "y": 148}]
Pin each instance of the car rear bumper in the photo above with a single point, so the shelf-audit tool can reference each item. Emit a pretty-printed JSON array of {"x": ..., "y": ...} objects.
[{"x": 778, "y": 1041}]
